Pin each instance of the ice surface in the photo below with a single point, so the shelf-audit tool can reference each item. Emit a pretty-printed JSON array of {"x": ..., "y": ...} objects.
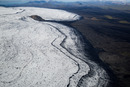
[{"x": 43, "y": 54}]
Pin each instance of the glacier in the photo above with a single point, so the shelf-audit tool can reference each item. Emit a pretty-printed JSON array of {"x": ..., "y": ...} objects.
[{"x": 45, "y": 54}]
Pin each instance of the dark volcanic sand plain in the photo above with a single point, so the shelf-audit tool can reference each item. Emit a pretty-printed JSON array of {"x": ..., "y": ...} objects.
[{"x": 108, "y": 30}]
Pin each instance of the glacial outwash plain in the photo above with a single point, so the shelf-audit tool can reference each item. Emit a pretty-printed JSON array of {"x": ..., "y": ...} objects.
[{"x": 46, "y": 53}]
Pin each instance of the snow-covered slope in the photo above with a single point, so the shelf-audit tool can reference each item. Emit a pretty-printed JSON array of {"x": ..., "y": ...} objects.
[{"x": 44, "y": 54}]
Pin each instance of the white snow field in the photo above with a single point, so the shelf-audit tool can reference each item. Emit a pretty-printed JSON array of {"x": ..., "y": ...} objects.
[{"x": 44, "y": 54}]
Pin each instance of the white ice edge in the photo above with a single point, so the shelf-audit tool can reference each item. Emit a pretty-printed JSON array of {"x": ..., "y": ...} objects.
[{"x": 31, "y": 54}]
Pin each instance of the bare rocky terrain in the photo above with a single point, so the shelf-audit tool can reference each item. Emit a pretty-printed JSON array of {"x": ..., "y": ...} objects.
[{"x": 110, "y": 38}]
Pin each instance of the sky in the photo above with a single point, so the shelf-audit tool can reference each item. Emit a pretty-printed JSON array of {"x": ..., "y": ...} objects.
[{"x": 24, "y": 1}]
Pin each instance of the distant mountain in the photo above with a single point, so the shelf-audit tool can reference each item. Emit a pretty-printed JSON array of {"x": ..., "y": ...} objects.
[
  {"x": 57, "y": 3},
  {"x": 112, "y": 1},
  {"x": 37, "y": 2},
  {"x": 32, "y": 2},
  {"x": 83, "y": 1}
]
